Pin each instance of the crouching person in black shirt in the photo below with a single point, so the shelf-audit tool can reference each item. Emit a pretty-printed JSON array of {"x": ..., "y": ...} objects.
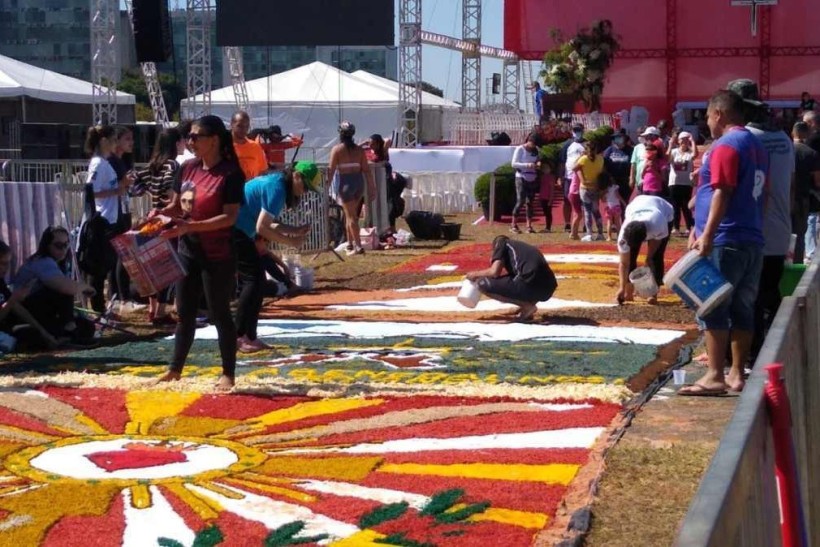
[{"x": 527, "y": 281}]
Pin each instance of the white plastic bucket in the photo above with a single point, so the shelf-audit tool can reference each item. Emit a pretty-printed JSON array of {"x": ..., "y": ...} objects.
[
  {"x": 698, "y": 282},
  {"x": 469, "y": 295},
  {"x": 644, "y": 282},
  {"x": 303, "y": 277}
]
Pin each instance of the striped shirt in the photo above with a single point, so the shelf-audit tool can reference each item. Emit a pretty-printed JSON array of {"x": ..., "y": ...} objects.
[{"x": 158, "y": 185}]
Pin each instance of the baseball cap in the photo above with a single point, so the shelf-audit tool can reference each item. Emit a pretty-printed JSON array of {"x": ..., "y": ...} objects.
[
  {"x": 685, "y": 135},
  {"x": 747, "y": 89},
  {"x": 577, "y": 127},
  {"x": 308, "y": 170},
  {"x": 651, "y": 130}
]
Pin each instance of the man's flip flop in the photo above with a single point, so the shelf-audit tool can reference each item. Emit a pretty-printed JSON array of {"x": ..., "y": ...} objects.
[{"x": 699, "y": 390}]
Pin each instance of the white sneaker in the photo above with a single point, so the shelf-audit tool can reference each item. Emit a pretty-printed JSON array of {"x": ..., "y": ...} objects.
[{"x": 587, "y": 238}]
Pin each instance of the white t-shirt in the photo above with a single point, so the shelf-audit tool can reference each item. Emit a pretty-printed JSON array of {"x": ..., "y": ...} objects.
[
  {"x": 574, "y": 153},
  {"x": 102, "y": 177},
  {"x": 523, "y": 161},
  {"x": 777, "y": 220},
  {"x": 613, "y": 197},
  {"x": 653, "y": 211},
  {"x": 681, "y": 167}
]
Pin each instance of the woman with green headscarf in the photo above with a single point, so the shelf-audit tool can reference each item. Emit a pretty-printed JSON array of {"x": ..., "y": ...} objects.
[{"x": 266, "y": 197}]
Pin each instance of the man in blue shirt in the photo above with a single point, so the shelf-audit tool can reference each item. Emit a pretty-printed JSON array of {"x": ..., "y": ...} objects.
[
  {"x": 729, "y": 230},
  {"x": 538, "y": 95}
]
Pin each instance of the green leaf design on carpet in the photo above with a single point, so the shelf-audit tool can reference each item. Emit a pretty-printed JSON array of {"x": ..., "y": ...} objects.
[
  {"x": 383, "y": 513},
  {"x": 286, "y": 535},
  {"x": 388, "y": 360}
]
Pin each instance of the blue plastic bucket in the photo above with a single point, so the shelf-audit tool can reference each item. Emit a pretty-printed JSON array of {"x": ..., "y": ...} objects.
[{"x": 698, "y": 282}]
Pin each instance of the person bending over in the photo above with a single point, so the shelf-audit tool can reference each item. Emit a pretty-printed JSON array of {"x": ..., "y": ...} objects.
[
  {"x": 648, "y": 218},
  {"x": 528, "y": 278},
  {"x": 266, "y": 198}
]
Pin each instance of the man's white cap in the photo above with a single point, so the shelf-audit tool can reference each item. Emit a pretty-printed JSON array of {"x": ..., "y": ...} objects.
[
  {"x": 651, "y": 130},
  {"x": 685, "y": 135}
]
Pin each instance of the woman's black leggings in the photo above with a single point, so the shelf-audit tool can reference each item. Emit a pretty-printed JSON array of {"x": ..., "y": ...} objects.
[
  {"x": 680, "y": 201},
  {"x": 251, "y": 285},
  {"x": 217, "y": 281},
  {"x": 547, "y": 208}
]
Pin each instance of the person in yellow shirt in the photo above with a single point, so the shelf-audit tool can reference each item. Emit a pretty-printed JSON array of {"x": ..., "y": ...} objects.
[
  {"x": 249, "y": 152},
  {"x": 589, "y": 168}
]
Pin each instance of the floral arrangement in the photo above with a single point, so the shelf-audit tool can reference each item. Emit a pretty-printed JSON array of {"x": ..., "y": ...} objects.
[{"x": 578, "y": 66}]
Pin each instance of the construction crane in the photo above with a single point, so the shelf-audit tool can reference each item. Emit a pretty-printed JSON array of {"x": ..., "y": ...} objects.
[{"x": 151, "y": 78}]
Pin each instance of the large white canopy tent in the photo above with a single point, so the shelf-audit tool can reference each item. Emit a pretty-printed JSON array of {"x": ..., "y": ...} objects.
[
  {"x": 33, "y": 94},
  {"x": 313, "y": 99}
]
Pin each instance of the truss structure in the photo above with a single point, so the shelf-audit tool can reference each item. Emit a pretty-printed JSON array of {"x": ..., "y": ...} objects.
[
  {"x": 105, "y": 66},
  {"x": 471, "y": 59},
  {"x": 151, "y": 79},
  {"x": 511, "y": 78},
  {"x": 233, "y": 58},
  {"x": 198, "y": 16},
  {"x": 409, "y": 71}
]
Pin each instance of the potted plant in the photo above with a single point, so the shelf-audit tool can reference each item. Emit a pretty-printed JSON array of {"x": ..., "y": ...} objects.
[
  {"x": 504, "y": 191},
  {"x": 578, "y": 67}
]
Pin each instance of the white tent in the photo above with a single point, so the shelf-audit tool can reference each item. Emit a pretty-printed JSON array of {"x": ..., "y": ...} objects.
[
  {"x": 312, "y": 100},
  {"x": 18, "y": 79},
  {"x": 427, "y": 99}
]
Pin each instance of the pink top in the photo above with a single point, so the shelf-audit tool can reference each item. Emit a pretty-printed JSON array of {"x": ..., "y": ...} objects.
[
  {"x": 653, "y": 177},
  {"x": 575, "y": 184}
]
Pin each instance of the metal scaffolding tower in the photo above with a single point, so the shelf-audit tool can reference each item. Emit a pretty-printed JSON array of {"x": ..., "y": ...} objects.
[
  {"x": 528, "y": 80},
  {"x": 233, "y": 58},
  {"x": 409, "y": 71},
  {"x": 511, "y": 96},
  {"x": 471, "y": 60},
  {"x": 151, "y": 78},
  {"x": 198, "y": 20},
  {"x": 105, "y": 66}
]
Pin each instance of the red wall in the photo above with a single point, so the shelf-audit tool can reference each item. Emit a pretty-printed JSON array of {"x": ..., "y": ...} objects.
[{"x": 702, "y": 24}]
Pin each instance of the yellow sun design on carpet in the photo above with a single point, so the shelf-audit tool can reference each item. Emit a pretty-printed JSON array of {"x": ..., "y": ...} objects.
[{"x": 106, "y": 467}]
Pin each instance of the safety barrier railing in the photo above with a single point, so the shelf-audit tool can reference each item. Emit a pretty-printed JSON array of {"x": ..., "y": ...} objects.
[
  {"x": 737, "y": 501},
  {"x": 475, "y": 128}
]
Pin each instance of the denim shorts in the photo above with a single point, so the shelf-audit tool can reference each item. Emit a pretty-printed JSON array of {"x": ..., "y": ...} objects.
[{"x": 741, "y": 265}]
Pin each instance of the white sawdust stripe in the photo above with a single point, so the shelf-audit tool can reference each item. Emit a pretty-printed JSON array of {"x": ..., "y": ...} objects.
[
  {"x": 448, "y": 285},
  {"x": 158, "y": 520},
  {"x": 284, "y": 386},
  {"x": 442, "y": 304},
  {"x": 381, "y": 495},
  {"x": 485, "y": 332},
  {"x": 273, "y": 513},
  {"x": 578, "y": 437}
]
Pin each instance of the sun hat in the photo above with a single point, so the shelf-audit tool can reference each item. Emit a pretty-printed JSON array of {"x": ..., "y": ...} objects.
[
  {"x": 651, "y": 130},
  {"x": 308, "y": 170},
  {"x": 685, "y": 135}
]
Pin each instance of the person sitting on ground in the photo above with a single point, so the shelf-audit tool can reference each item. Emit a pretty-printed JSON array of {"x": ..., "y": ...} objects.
[
  {"x": 648, "y": 218},
  {"x": 266, "y": 198},
  {"x": 15, "y": 320},
  {"x": 51, "y": 300},
  {"x": 527, "y": 281}
]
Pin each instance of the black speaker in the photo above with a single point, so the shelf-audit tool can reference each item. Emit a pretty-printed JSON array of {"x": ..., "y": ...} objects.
[{"x": 152, "y": 31}]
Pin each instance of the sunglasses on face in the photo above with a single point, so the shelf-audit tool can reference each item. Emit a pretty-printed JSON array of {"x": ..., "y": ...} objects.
[
  {"x": 193, "y": 137},
  {"x": 60, "y": 245}
]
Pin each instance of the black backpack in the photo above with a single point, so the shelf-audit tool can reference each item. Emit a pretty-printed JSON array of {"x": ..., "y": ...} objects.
[{"x": 95, "y": 255}]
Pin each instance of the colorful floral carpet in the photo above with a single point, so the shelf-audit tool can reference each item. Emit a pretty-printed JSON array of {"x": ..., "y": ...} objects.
[
  {"x": 375, "y": 354},
  {"x": 359, "y": 433},
  {"x": 109, "y": 467}
]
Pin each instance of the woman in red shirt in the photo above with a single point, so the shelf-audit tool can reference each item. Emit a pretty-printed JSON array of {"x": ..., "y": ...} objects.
[{"x": 213, "y": 182}]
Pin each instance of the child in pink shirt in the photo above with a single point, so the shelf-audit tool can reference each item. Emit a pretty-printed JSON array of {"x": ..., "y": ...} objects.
[{"x": 546, "y": 193}]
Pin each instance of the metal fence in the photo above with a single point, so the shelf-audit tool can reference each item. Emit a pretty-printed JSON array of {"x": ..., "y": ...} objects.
[{"x": 737, "y": 503}]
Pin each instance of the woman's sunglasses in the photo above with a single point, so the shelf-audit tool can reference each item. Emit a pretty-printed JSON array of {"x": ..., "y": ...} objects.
[{"x": 193, "y": 137}]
